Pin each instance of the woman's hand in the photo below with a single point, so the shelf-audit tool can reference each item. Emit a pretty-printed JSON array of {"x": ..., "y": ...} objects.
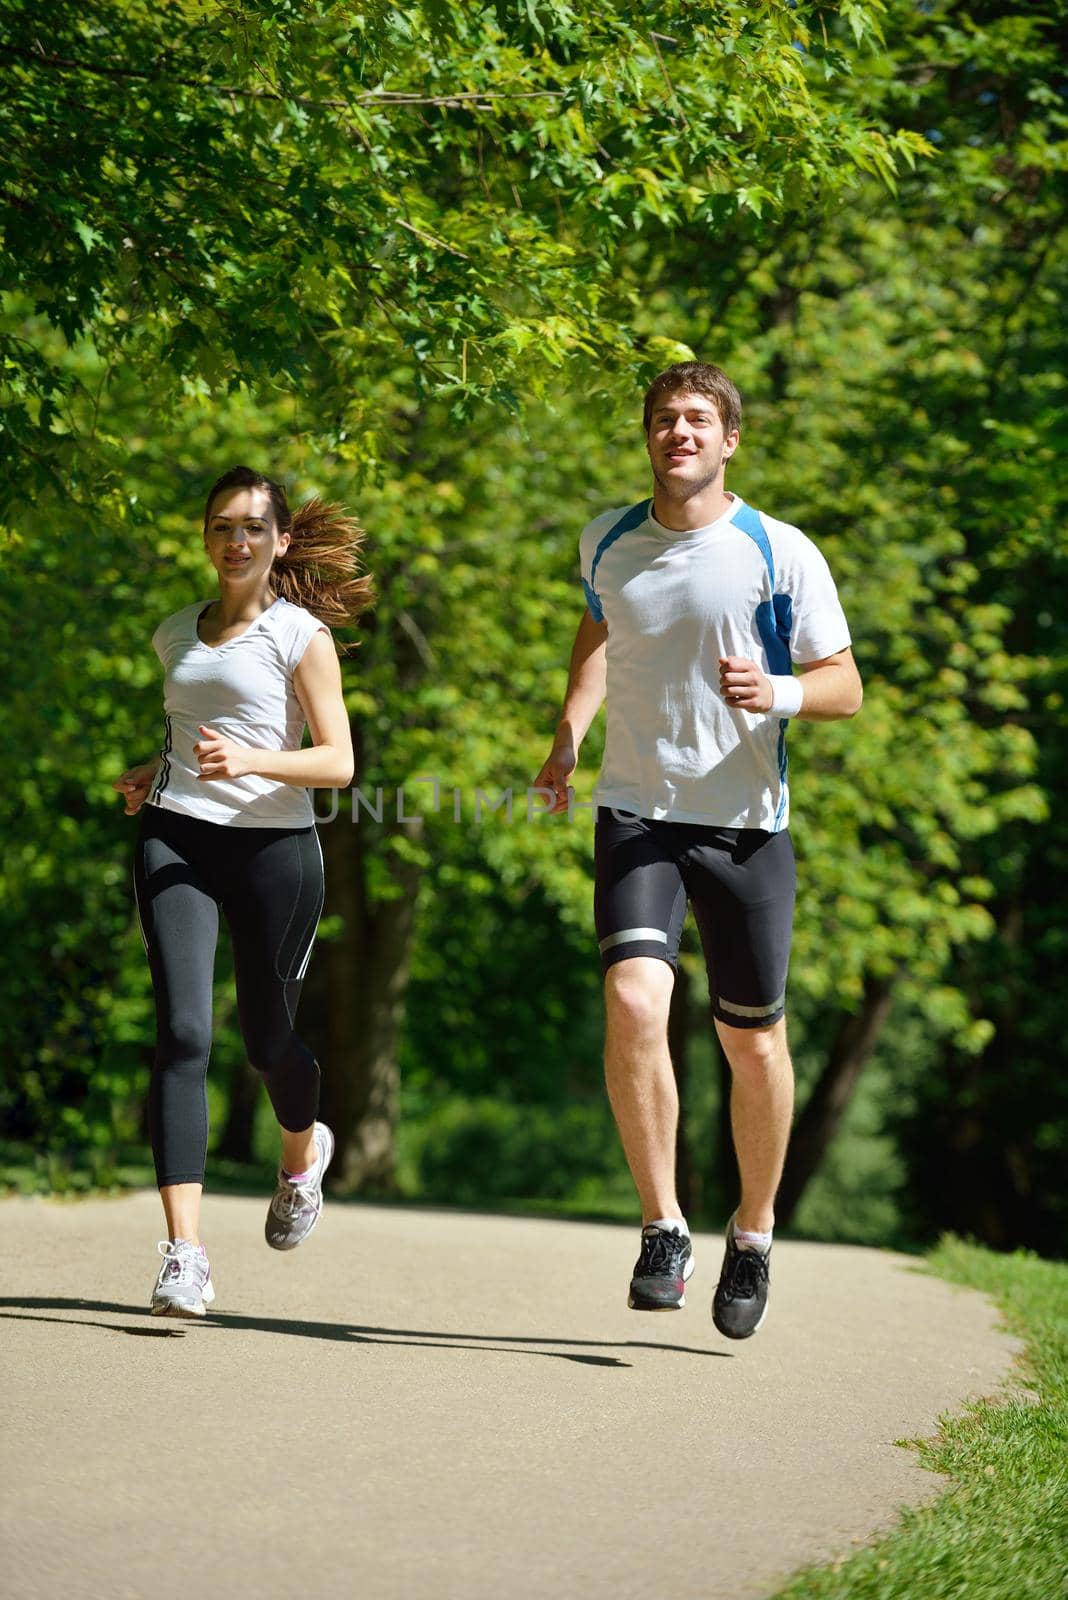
[
  {"x": 135, "y": 784},
  {"x": 220, "y": 757}
]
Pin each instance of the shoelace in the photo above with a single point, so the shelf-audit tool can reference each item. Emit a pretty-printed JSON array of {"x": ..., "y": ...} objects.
[
  {"x": 747, "y": 1270},
  {"x": 293, "y": 1199},
  {"x": 661, "y": 1252},
  {"x": 181, "y": 1263}
]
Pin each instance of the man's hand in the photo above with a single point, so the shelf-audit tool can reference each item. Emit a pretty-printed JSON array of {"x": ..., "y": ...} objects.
[
  {"x": 743, "y": 685},
  {"x": 557, "y": 772},
  {"x": 135, "y": 784},
  {"x": 220, "y": 757}
]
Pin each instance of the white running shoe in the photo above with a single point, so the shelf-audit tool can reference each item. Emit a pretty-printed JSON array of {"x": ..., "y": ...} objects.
[
  {"x": 296, "y": 1206},
  {"x": 184, "y": 1287}
]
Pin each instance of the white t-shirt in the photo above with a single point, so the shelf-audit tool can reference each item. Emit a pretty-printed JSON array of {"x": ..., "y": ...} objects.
[
  {"x": 745, "y": 585},
  {"x": 244, "y": 690}
]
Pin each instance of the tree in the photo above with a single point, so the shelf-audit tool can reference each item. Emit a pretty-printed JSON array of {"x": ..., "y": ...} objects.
[
  {"x": 377, "y": 220},
  {"x": 987, "y": 1139},
  {"x": 303, "y": 198},
  {"x": 906, "y": 362},
  {"x": 598, "y": 204}
]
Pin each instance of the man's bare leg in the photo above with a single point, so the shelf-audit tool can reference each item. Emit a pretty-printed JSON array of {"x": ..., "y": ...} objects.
[
  {"x": 645, "y": 1100},
  {"x": 762, "y": 1099},
  {"x": 762, "y": 1103},
  {"x": 641, "y": 1083}
]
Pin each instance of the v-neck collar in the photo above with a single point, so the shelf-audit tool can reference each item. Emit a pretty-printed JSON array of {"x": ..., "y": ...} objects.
[{"x": 255, "y": 623}]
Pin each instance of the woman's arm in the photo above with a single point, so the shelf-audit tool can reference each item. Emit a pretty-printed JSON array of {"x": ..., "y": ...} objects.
[{"x": 326, "y": 764}]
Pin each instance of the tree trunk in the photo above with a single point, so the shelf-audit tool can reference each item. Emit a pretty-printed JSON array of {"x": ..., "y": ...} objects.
[
  {"x": 853, "y": 1044},
  {"x": 358, "y": 989},
  {"x": 361, "y": 987}
]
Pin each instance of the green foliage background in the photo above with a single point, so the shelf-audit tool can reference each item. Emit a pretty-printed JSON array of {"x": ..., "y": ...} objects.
[{"x": 422, "y": 259}]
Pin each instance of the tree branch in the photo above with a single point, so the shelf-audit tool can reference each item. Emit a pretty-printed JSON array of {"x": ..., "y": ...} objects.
[
  {"x": 474, "y": 99},
  {"x": 429, "y": 238},
  {"x": 670, "y": 86}
]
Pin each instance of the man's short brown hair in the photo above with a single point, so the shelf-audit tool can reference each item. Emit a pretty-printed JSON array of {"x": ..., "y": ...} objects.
[{"x": 697, "y": 377}]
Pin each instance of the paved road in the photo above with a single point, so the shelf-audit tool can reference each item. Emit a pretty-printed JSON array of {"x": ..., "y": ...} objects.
[{"x": 428, "y": 1406}]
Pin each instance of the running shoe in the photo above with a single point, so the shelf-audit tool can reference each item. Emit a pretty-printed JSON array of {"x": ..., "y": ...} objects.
[
  {"x": 660, "y": 1272},
  {"x": 741, "y": 1300},
  {"x": 184, "y": 1287},
  {"x": 297, "y": 1203}
]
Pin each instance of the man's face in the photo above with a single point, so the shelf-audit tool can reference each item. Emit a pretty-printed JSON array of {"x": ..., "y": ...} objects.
[{"x": 686, "y": 444}]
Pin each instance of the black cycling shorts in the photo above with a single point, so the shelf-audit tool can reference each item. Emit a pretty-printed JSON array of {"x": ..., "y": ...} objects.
[{"x": 741, "y": 884}]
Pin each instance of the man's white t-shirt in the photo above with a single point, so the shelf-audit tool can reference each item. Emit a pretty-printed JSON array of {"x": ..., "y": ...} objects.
[
  {"x": 745, "y": 585},
  {"x": 244, "y": 690}
]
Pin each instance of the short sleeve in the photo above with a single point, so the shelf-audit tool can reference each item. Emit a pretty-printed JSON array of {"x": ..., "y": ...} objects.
[
  {"x": 819, "y": 626},
  {"x": 298, "y": 629},
  {"x": 588, "y": 546},
  {"x": 170, "y": 629}
]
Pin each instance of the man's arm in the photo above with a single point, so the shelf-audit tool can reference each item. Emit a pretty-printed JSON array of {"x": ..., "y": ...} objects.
[
  {"x": 585, "y": 692},
  {"x": 829, "y": 689}
]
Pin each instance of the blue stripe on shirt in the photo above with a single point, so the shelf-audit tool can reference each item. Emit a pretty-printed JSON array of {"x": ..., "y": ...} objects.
[{"x": 627, "y": 522}]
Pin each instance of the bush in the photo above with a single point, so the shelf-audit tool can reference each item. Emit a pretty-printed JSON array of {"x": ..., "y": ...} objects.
[{"x": 470, "y": 1152}]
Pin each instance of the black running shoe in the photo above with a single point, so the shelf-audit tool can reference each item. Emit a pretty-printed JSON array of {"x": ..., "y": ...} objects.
[
  {"x": 660, "y": 1272},
  {"x": 741, "y": 1300}
]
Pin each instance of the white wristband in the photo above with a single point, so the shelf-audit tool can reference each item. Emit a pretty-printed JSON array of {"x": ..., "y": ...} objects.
[{"x": 787, "y": 696}]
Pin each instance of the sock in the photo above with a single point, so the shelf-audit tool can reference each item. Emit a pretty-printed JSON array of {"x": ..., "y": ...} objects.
[
  {"x": 667, "y": 1223},
  {"x": 751, "y": 1241},
  {"x": 297, "y": 1177}
]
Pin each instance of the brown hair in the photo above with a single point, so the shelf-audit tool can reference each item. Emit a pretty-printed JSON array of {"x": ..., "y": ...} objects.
[
  {"x": 697, "y": 377},
  {"x": 321, "y": 568}
]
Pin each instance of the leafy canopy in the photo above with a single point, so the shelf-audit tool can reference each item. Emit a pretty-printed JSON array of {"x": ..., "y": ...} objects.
[{"x": 306, "y": 195}]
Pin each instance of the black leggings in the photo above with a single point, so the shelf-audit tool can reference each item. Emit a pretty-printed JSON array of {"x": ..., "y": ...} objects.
[{"x": 269, "y": 884}]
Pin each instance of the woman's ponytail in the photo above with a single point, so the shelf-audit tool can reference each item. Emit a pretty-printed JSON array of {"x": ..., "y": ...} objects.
[{"x": 321, "y": 569}]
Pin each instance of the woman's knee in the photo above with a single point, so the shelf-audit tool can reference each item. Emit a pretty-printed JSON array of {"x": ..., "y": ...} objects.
[{"x": 183, "y": 1047}]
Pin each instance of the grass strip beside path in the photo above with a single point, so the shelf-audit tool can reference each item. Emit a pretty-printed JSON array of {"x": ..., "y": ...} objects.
[{"x": 1001, "y": 1531}]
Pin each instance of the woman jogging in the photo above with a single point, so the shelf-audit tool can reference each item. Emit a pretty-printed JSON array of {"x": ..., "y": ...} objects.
[{"x": 226, "y": 822}]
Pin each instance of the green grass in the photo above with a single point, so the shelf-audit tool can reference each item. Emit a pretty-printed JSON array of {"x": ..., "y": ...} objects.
[{"x": 1001, "y": 1531}]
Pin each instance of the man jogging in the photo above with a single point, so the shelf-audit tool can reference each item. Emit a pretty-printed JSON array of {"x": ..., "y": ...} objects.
[{"x": 698, "y": 606}]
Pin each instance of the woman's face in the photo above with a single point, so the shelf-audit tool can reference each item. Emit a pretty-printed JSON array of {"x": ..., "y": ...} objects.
[{"x": 241, "y": 537}]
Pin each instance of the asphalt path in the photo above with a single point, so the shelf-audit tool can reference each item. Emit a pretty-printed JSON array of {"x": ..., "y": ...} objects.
[{"x": 422, "y": 1405}]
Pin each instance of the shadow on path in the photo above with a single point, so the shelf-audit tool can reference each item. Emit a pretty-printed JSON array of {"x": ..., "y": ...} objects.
[{"x": 341, "y": 1332}]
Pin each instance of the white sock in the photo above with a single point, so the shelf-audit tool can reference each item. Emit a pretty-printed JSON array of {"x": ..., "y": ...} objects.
[
  {"x": 667, "y": 1223},
  {"x": 751, "y": 1241}
]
